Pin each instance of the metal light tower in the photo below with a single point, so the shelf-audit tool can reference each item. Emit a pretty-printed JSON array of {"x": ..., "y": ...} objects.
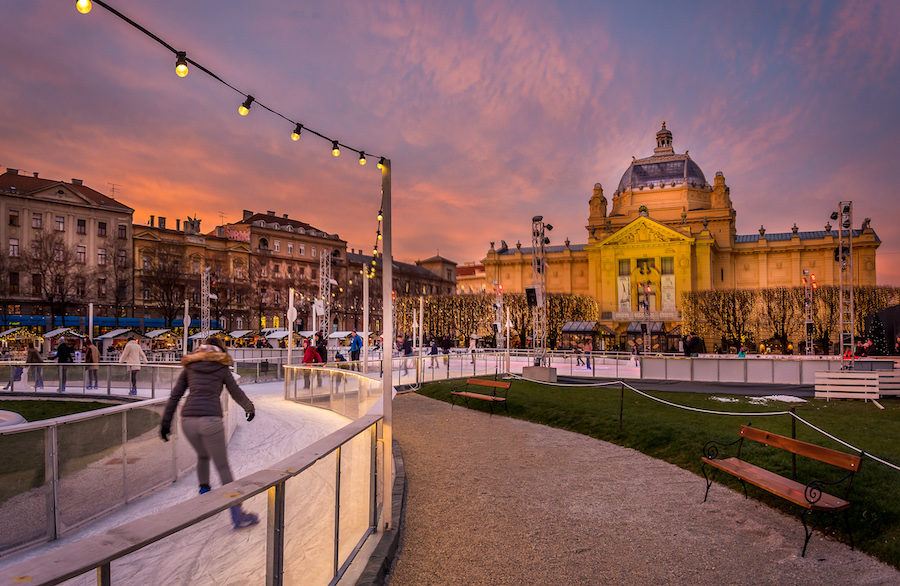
[
  {"x": 325, "y": 281},
  {"x": 539, "y": 241},
  {"x": 843, "y": 255},
  {"x": 809, "y": 288}
]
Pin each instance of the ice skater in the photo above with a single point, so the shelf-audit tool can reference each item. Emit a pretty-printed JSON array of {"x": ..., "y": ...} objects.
[
  {"x": 133, "y": 355},
  {"x": 205, "y": 372}
]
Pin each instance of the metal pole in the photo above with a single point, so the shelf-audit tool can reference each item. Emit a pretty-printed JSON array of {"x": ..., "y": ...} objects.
[
  {"x": 621, "y": 404},
  {"x": 387, "y": 304},
  {"x": 365, "y": 328},
  {"x": 419, "y": 364},
  {"x": 508, "y": 370},
  {"x": 186, "y": 323},
  {"x": 90, "y": 321},
  {"x": 291, "y": 315},
  {"x": 275, "y": 536}
]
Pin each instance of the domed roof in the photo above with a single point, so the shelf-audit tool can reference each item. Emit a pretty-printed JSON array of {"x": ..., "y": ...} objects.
[{"x": 665, "y": 167}]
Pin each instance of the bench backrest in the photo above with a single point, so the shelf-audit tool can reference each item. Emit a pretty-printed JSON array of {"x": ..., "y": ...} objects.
[
  {"x": 836, "y": 458},
  {"x": 482, "y": 382}
]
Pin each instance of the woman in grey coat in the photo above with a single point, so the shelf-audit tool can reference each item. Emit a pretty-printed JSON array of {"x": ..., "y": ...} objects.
[{"x": 205, "y": 372}]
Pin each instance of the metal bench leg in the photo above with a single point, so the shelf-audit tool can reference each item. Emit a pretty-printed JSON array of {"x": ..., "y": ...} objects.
[
  {"x": 708, "y": 477},
  {"x": 846, "y": 518},
  {"x": 744, "y": 486},
  {"x": 807, "y": 529}
]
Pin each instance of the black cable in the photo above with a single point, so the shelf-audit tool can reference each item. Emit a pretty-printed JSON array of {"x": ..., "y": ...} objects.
[{"x": 218, "y": 78}]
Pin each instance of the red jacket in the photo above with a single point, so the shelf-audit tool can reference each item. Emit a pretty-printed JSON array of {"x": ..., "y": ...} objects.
[{"x": 311, "y": 355}]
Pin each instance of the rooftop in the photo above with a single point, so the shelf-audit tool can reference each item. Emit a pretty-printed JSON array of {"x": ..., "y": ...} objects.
[
  {"x": 777, "y": 236},
  {"x": 11, "y": 182},
  {"x": 272, "y": 221}
]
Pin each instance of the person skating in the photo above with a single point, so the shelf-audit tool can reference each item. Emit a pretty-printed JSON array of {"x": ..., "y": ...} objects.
[
  {"x": 36, "y": 371},
  {"x": 356, "y": 344},
  {"x": 92, "y": 357},
  {"x": 433, "y": 353},
  {"x": 64, "y": 355},
  {"x": 310, "y": 356},
  {"x": 133, "y": 355},
  {"x": 206, "y": 371}
]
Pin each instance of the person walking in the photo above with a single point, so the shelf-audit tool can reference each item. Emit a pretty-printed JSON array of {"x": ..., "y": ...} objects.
[
  {"x": 433, "y": 353},
  {"x": 356, "y": 344},
  {"x": 472, "y": 345},
  {"x": 92, "y": 357},
  {"x": 205, "y": 372},
  {"x": 133, "y": 355},
  {"x": 407, "y": 351},
  {"x": 322, "y": 346},
  {"x": 35, "y": 370},
  {"x": 64, "y": 355},
  {"x": 588, "y": 348},
  {"x": 310, "y": 356}
]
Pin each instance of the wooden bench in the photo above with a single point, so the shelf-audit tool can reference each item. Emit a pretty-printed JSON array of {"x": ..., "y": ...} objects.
[
  {"x": 495, "y": 386},
  {"x": 811, "y": 496}
]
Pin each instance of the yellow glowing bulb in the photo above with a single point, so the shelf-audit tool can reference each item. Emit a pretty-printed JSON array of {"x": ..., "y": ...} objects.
[
  {"x": 181, "y": 67},
  {"x": 84, "y": 6},
  {"x": 380, "y": 163},
  {"x": 243, "y": 110},
  {"x": 335, "y": 149},
  {"x": 362, "y": 158},
  {"x": 375, "y": 251},
  {"x": 295, "y": 135},
  {"x": 379, "y": 236},
  {"x": 373, "y": 262}
]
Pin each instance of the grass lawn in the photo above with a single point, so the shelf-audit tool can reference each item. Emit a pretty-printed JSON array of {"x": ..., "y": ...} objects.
[
  {"x": 33, "y": 410},
  {"x": 678, "y": 436}
]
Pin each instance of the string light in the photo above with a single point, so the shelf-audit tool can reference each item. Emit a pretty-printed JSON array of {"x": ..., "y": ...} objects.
[
  {"x": 295, "y": 135},
  {"x": 380, "y": 215},
  {"x": 244, "y": 108},
  {"x": 181, "y": 68},
  {"x": 379, "y": 235},
  {"x": 362, "y": 158}
]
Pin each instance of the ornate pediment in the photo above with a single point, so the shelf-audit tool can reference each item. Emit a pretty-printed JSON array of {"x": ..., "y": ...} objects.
[
  {"x": 61, "y": 193},
  {"x": 643, "y": 230}
]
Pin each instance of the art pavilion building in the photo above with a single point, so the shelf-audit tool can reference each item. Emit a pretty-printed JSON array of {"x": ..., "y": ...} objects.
[{"x": 670, "y": 230}]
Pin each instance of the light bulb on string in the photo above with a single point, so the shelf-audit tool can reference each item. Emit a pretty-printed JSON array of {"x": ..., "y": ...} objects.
[
  {"x": 362, "y": 157},
  {"x": 295, "y": 135},
  {"x": 381, "y": 162},
  {"x": 181, "y": 66},
  {"x": 335, "y": 149},
  {"x": 244, "y": 108},
  {"x": 84, "y": 6},
  {"x": 379, "y": 235},
  {"x": 380, "y": 215}
]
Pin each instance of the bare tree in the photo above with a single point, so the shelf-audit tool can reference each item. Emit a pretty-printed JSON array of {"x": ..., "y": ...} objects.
[
  {"x": 117, "y": 274},
  {"x": 165, "y": 279},
  {"x": 62, "y": 271}
]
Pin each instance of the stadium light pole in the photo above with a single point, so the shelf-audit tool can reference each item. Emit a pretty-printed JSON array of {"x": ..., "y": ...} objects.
[{"x": 387, "y": 308}]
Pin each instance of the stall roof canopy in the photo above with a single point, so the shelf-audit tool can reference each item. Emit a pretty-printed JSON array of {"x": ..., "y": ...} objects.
[
  {"x": 339, "y": 335},
  {"x": 587, "y": 327},
  {"x": 18, "y": 332},
  {"x": 307, "y": 333},
  {"x": 201, "y": 335},
  {"x": 656, "y": 327},
  {"x": 63, "y": 332},
  {"x": 157, "y": 333},
  {"x": 277, "y": 335},
  {"x": 239, "y": 333},
  {"x": 120, "y": 333}
]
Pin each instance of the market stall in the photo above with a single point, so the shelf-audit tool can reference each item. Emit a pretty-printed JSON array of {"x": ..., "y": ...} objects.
[{"x": 16, "y": 341}]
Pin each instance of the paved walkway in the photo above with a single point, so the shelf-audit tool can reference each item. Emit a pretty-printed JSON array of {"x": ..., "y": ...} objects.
[{"x": 502, "y": 501}]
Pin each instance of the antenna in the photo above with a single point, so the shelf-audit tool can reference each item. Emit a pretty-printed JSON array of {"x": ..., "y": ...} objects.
[
  {"x": 221, "y": 218},
  {"x": 113, "y": 188}
]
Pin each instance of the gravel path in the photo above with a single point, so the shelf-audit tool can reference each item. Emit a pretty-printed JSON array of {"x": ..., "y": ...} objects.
[{"x": 502, "y": 501}]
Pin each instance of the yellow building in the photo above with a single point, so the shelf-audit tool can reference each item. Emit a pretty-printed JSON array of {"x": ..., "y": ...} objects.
[{"x": 669, "y": 231}]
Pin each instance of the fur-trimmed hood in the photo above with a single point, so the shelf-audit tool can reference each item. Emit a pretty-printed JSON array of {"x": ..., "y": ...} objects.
[{"x": 207, "y": 353}]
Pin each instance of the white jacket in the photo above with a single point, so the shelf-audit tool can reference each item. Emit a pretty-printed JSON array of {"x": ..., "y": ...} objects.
[{"x": 133, "y": 355}]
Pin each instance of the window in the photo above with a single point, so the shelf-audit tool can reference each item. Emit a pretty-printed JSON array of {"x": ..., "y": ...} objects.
[
  {"x": 14, "y": 283},
  {"x": 645, "y": 264},
  {"x": 101, "y": 287},
  {"x": 276, "y": 269},
  {"x": 37, "y": 284},
  {"x": 195, "y": 265},
  {"x": 13, "y": 217},
  {"x": 195, "y": 297},
  {"x": 290, "y": 248},
  {"x": 122, "y": 289},
  {"x": 668, "y": 265},
  {"x": 624, "y": 268},
  {"x": 146, "y": 263},
  {"x": 263, "y": 244},
  {"x": 277, "y": 298},
  {"x": 60, "y": 223},
  {"x": 101, "y": 229},
  {"x": 101, "y": 256},
  {"x": 58, "y": 253},
  {"x": 721, "y": 274},
  {"x": 312, "y": 252},
  {"x": 80, "y": 253},
  {"x": 37, "y": 221},
  {"x": 302, "y": 249},
  {"x": 278, "y": 246},
  {"x": 121, "y": 258},
  {"x": 13, "y": 247},
  {"x": 145, "y": 294},
  {"x": 81, "y": 226},
  {"x": 122, "y": 232},
  {"x": 80, "y": 288}
]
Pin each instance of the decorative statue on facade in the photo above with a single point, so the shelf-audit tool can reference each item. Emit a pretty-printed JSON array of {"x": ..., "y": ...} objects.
[{"x": 598, "y": 202}]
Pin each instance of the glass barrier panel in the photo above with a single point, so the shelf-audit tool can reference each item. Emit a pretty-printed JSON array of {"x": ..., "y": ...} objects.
[
  {"x": 185, "y": 457},
  {"x": 356, "y": 486},
  {"x": 309, "y": 515},
  {"x": 91, "y": 468},
  {"x": 148, "y": 460},
  {"x": 26, "y": 499}
]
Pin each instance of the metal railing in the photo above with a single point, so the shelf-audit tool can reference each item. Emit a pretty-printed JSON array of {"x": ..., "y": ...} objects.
[
  {"x": 58, "y": 474},
  {"x": 321, "y": 504}
]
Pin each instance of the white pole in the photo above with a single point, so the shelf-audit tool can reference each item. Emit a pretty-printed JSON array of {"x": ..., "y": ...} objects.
[
  {"x": 186, "y": 323},
  {"x": 365, "y": 325},
  {"x": 421, "y": 365},
  {"x": 415, "y": 337},
  {"x": 387, "y": 282},
  {"x": 291, "y": 315},
  {"x": 507, "y": 340},
  {"x": 90, "y": 321}
]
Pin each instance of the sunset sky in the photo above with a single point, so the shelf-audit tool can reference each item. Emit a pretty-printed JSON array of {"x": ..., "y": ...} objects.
[{"x": 491, "y": 111}]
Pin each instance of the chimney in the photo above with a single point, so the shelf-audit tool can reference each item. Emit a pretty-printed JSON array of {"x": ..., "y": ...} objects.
[
  {"x": 35, "y": 174},
  {"x": 247, "y": 214},
  {"x": 162, "y": 222},
  {"x": 284, "y": 216},
  {"x": 178, "y": 224},
  {"x": 271, "y": 212},
  {"x": 12, "y": 171},
  {"x": 77, "y": 181},
  {"x": 152, "y": 218}
]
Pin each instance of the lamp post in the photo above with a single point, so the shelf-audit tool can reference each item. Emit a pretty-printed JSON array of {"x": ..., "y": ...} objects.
[
  {"x": 387, "y": 309},
  {"x": 843, "y": 255},
  {"x": 365, "y": 324}
]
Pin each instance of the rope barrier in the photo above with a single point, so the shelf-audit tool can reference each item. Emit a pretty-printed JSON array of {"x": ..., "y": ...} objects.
[{"x": 714, "y": 412}]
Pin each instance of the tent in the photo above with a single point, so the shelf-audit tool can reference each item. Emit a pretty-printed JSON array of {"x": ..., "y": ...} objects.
[
  {"x": 159, "y": 334},
  {"x": 277, "y": 335},
  {"x": 120, "y": 334},
  {"x": 203, "y": 336},
  {"x": 306, "y": 333},
  {"x": 338, "y": 335},
  {"x": 61, "y": 332},
  {"x": 240, "y": 333}
]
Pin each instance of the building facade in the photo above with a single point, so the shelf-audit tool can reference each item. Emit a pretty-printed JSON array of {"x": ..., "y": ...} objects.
[
  {"x": 669, "y": 231},
  {"x": 65, "y": 245}
]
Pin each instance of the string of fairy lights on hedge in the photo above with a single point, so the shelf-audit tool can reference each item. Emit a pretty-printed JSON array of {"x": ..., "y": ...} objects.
[{"x": 182, "y": 63}]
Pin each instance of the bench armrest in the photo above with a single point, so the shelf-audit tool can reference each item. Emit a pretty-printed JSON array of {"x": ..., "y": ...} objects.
[
  {"x": 711, "y": 449},
  {"x": 815, "y": 488}
]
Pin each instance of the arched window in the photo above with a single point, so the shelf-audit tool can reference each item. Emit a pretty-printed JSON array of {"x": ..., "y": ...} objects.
[{"x": 263, "y": 244}]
